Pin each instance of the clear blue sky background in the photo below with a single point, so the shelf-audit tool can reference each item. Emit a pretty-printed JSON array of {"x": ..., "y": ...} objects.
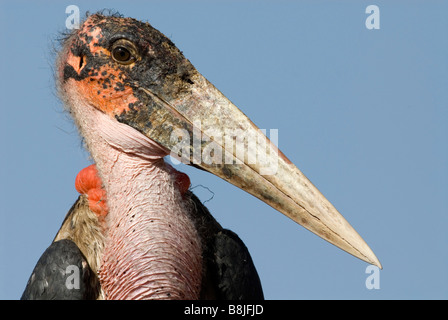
[{"x": 363, "y": 113}]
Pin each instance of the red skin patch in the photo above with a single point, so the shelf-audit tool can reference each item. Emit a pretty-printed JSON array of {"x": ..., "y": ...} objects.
[
  {"x": 100, "y": 87},
  {"x": 182, "y": 182},
  {"x": 87, "y": 179},
  {"x": 89, "y": 183},
  {"x": 108, "y": 100}
]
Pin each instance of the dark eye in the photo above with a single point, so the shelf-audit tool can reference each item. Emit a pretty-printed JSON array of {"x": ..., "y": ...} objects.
[
  {"x": 121, "y": 54},
  {"x": 124, "y": 52}
]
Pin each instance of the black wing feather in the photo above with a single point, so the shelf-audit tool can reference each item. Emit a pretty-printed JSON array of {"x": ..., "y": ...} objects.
[
  {"x": 230, "y": 273},
  {"x": 62, "y": 273},
  {"x": 236, "y": 276}
]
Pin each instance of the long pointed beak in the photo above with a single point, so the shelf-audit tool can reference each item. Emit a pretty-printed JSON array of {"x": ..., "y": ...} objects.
[{"x": 203, "y": 128}]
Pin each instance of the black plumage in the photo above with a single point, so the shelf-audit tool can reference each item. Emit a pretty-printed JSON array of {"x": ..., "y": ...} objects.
[{"x": 62, "y": 273}]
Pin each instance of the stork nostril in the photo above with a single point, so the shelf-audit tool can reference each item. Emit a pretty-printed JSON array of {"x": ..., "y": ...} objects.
[{"x": 81, "y": 62}]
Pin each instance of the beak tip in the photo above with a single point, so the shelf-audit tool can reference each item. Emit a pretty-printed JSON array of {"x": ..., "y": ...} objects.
[
  {"x": 371, "y": 258},
  {"x": 377, "y": 263}
]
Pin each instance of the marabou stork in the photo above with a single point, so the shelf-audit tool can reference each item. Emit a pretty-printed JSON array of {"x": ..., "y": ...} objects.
[{"x": 136, "y": 231}]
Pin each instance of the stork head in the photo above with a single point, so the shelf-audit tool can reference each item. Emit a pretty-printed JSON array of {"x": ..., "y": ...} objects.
[{"x": 131, "y": 72}]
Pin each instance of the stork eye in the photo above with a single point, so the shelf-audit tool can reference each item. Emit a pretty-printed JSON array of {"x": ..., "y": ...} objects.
[
  {"x": 121, "y": 54},
  {"x": 124, "y": 52}
]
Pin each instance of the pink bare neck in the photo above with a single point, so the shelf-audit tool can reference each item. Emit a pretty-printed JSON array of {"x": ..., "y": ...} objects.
[{"x": 153, "y": 250}]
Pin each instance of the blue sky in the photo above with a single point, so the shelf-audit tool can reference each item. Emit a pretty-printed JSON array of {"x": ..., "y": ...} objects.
[{"x": 363, "y": 113}]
